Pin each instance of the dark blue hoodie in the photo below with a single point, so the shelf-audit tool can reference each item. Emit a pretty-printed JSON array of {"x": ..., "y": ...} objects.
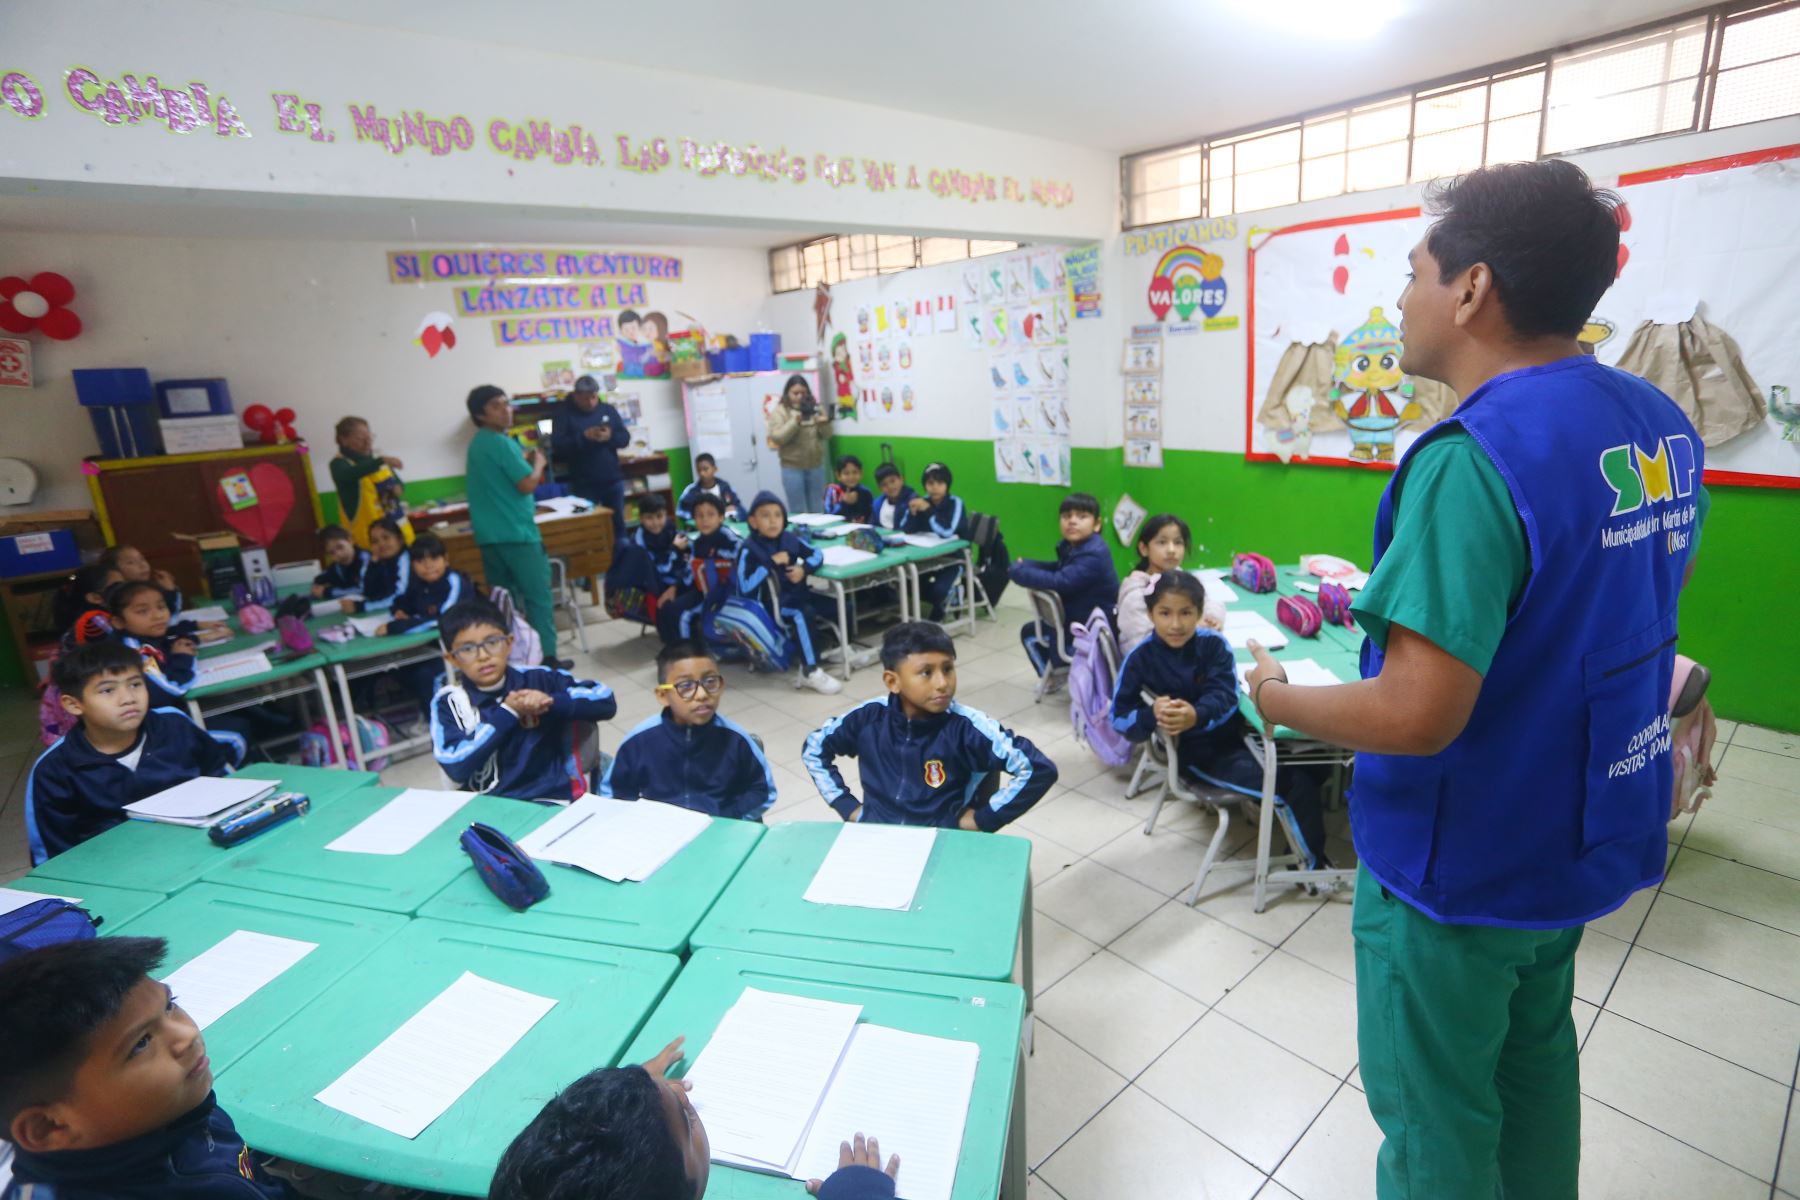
[
  {"x": 1083, "y": 575},
  {"x": 670, "y": 561},
  {"x": 383, "y": 580},
  {"x": 715, "y": 768},
  {"x": 198, "y": 1157},
  {"x": 892, "y": 514},
  {"x": 421, "y": 604},
  {"x": 339, "y": 578},
  {"x": 852, "y": 504},
  {"x": 943, "y": 518},
  {"x": 1203, "y": 672},
  {"x": 756, "y": 561}
]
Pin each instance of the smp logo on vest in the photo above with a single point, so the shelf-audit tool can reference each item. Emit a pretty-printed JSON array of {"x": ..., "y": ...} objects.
[{"x": 1641, "y": 479}]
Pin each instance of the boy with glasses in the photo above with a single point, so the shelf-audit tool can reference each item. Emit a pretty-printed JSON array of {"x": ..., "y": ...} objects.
[
  {"x": 508, "y": 730},
  {"x": 689, "y": 754}
]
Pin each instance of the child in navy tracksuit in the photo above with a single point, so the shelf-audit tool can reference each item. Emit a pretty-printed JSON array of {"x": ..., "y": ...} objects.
[
  {"x": 773, "y": 551},
  {"x": 389, "y": 569},
  {"x": 667, "y": 547},
  {"x": 1083, "y": 575},
  {"x": 143, "y": 1124},
  {"x": 1192, "y": 674},
  {"x": 925, "y": 759},
  {"x": 848, "y": 498},
  {"x": 712, "y": 543},
  {"x": 706, "y": 483},
  {"x": 941, "y": 514},
  {"x": 168, "y": 648},
  {"x": 120, "y": 751},
  {"x": 891, "y": 508},
  {"x": 345, "y": 566},
  {"x": 433, "y": 590},
  {"x": 689, "y": 754},
  {"x": 507, "y": 730}
]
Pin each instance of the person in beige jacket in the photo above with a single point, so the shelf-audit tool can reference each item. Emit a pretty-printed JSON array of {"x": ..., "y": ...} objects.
[{"x": 800, "y": 430}]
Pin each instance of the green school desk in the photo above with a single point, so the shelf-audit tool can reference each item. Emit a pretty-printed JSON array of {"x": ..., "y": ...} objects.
[
  {"x": 603, "y": 995},
  {"x": 887, "y": 567},
  {"x": 657, "y": 914},
  {"x": 166, "y": 858},
  {"x": 205, "y": 914},
  {"x": 362, "y": 656},
  {"x": 986, "y": 1013},
  {"x": 965, "y": 918},
  {"x": 295, "y": 862},
  {"x": 111, "y": 907}
]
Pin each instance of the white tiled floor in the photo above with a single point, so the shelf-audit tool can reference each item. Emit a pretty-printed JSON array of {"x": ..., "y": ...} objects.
[{"x": 1211, "y": 1051}]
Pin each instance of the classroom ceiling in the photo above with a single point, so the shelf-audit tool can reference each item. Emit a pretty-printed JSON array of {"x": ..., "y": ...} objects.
[{"x": 1125, "y": 75}]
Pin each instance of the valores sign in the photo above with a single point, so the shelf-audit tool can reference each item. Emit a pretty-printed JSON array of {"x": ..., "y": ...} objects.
[{"x": 1188, "y": 278}]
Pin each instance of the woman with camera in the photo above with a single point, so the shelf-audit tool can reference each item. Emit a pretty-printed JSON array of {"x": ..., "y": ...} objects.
[{"x": 800, "y": 430}]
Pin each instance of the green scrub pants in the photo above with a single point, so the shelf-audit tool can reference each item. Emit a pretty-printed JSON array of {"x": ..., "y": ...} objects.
[
  {"x": 1468, "y": 1054},
  {"x": 523, "y": 569}
]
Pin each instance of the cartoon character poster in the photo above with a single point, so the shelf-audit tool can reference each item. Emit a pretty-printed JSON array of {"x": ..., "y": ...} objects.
[
  {"x": 842, "y": 377},
  {"x": 643, "y": 345}
]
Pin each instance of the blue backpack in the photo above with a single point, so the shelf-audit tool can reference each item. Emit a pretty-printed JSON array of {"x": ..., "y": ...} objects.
[
  {"x": 46, "y": 922},
  {"x": 746, "y": 624},
  {"x": 1093, "y": 671}
]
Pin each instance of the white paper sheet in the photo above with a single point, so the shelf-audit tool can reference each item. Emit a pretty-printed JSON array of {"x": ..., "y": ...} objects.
[
  {"x": 911, "y": 1091},
  {"x": 1242, "y": 625},
  {"x": 873, "y": 866},
  {"x": 217, "y": 980},
  {"x": 198, "y": 801},
  {"x": 1302, "y": 672},
  {"x": 368, "y": 626},
  {"x": 327, "y": 608},
  {"x": 1217, "y": 583},
  {"x": 763, "y": 1073},
  {"x": 620, "y": 840},
  {"x": 422, "y": 1068},
  {"x": 13, "y": 899},
  {"x": 928, "y": 541},
  {"x": 401, "y": 823},
  {"x": 565, "y": 505},
  {"x": 227, "y": 667},
  {"x": 812, "y": 519},
  {"x": 845, "y": 556},
  {"x": 212, "y": 612}
]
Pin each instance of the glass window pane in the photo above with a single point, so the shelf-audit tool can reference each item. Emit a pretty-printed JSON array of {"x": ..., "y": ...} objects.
[
  {"x": 1171, "y": 205},
  {"x": 1758, "y": 39},
  {"x": 1756, "y": 93},
  {"x": 1153, "y": 172},
  {"x": 1517, "y": 95},
  {"x": 1274, "y": 150},
  {"x": 1377, "y": 167},
  {"x": 1450, "y": 110},
  {"x": 942, "y": 250},
  {"x": 977, "y": 249},
  {"x": 1387, "y": 122},
  {"x": 1514, "y": 139},
  {"x": 1639, "y": 87},
  {"x": 1268, "y": 189},
  {"x": 1321, "y": 177},
  {"x": 1324, "y": 137},
  {"x": 1442, "y": 155}
]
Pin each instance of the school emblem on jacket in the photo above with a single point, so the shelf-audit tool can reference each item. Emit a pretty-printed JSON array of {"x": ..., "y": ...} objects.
[{"x": 934, "y": 773}]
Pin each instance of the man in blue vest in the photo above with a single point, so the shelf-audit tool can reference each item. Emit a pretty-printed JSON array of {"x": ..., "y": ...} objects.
[{"x": 1513, "y": 775}]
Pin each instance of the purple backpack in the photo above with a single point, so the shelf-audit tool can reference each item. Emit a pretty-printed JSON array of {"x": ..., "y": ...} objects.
[{"x": 1093, "y": 670}]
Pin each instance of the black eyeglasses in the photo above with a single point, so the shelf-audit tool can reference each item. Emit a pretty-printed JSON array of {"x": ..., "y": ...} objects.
[
  {"x": 470, "y": 651},
  {"x": 685, "y": 688}
]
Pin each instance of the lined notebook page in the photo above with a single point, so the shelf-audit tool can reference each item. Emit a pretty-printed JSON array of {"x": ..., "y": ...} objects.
[
  {"x": 196, "y": 801},
  {"x": 873, "y": 866},
  {"x": 909, "y": 1090},
  {"x": 759, "y": 1079},
  {"x": 422, "y": 1068},
  {"x": 401, "y": 823},
  {"x": 619, "y": 840},
  {"x": 215, "y": 981}
]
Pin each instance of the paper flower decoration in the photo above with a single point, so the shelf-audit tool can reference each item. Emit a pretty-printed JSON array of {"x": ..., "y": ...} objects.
[
  {"x": 435, "y": 334},
  {"x": 39, "y": 305},
  {"x": 273, "y": 426}
]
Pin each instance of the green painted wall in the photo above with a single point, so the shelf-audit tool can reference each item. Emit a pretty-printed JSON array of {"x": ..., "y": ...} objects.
[{"x": 1736, "y": 616}]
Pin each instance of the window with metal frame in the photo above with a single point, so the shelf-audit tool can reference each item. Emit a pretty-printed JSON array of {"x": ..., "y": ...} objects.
[{"x": 837, "y": 257}]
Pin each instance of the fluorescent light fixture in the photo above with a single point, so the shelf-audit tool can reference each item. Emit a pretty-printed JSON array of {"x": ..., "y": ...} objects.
[{"x": 1342, "y": 19}]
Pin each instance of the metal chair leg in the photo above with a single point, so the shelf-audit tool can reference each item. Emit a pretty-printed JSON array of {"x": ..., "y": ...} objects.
[{"x": 1212, "y": 853}]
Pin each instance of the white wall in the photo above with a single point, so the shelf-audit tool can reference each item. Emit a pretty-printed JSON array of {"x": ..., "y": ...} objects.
[
  {"x": 249, "y": 55},
  {"x": 1204, "y": 373},
  {"x": 310, "y": 325}
]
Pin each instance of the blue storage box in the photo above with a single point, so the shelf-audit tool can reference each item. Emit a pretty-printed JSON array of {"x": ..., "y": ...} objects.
[
  {"x": 38, "y": 553},
  {"x": 122, "y": 406},
  {"x": 765, "y": 349},
  {"x": 715, "y": 361},
  {"x": 737, "y": 358},
  {"x": 194, "y": 398}
]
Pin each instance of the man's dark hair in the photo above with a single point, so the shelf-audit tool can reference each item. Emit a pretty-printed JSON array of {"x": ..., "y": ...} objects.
[
  {"x": 51, "y": 1001},
  {"x": 849, "y": 460},
  {"x": 1080, "y": 502},
  {"x": 334, "y": 533},
  {"x": 913, "y": 637},
  {"x": 886, "y": 471},
  {"x": 429, "y": 545},
  {"x": 937, "y": 471},
  {"x": 674, "y": 652},
  {"x": 478, "y": 400},
  {"x": 652, "y": 503},
  {"x": 80, "y": 665},
  {"x": 1549, "y": 236},
  {"x": 711, "y": 501},
  {"x": 604, "y": 1137},
  {"x": 466, "y": 614},
  {"x": 120, "y": 595},
  {"x": 1177, "y": 583},
  {"x": 705, "y": 458}
]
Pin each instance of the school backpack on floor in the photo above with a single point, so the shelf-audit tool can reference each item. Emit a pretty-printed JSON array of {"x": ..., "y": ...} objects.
[
  {"x": 746, "y": 624},
  {"x": 631, "y": 584},
  {"x": 527, "y": 647},
  {"x": 1093, "y": 671},
  {"x": 316, "y": 749},
  {"x": 991, "y": 556}
]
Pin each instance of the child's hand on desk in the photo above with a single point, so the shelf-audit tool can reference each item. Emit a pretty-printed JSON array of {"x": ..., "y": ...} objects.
[
  {"x": 967, "y": 821},
  {"x": 863, "y": 1152},
  {"x": 796, "y": 573},
  {"x": 918, "y": 504},
  {"x": 215, "y": 629},
  {"x": 382, "y": 632},
  {"x": 348, "y": 606}
]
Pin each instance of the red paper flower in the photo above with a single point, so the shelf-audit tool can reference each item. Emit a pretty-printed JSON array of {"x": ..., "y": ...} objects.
[
  {"x": 40, "y": 305},
  {"x": 273, "y": 426}
]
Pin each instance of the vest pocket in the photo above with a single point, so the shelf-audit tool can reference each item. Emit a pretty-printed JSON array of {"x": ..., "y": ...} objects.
[
  {"x": 1626, "y": 689},
  {"x": 1405, "y": 796}
]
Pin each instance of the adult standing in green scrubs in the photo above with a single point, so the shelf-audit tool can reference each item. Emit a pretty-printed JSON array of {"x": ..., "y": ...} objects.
[{"x": 501, "y": 478}]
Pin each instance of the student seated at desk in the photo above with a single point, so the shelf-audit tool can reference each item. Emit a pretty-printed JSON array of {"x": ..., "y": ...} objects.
[
  {"x": 773, "y": 550},
  {"x": 389, "y": 569},
  {"x": 706, "y": 483},
  {"x": 690, "y": 754},
  {"x": 503, "y": 729},
  {"x": 939, "y": 513},
  {"x": 141, "y": 621},
  {"x": 1162, "y": 546},
  {"x": 632, "y": 1133},
  {"x": 893, "y": 505},
  {"x": 80, "y": 609},
  {"x": 925, "y": 759},
  {"x": 667, "y": 547},
  {"x": 133, "y": 567},
  {"x": 1083, "y": 576},
  {"x": 434, "y": 588},
  {"x": 712, "y": 544},
  {"x": 105, "y": 1088},
  {"x": 1192, "y": 673},
  {"x": 120, "y": 751},
  {"x": 346, "y": 564},
  {"x": 848, "y": 498}
]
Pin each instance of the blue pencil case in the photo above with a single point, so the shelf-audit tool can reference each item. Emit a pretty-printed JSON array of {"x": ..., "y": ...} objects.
[{"x": 507, "y": 870}]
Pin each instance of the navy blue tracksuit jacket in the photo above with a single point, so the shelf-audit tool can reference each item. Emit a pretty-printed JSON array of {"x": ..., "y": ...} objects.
[
  {"x": 892, "y": 514},
  {"x": 926, "y": 771},
  {"x": 715, "y": 768},
  {"x": 1083, "y": 575},
  {"x": 421, "y": 604},
  {"x": 383, "y": 580},
  {"x": 670, "y": 561},
  {"x": 483, "y": 746},
  {"x": 339, "y": 579}
]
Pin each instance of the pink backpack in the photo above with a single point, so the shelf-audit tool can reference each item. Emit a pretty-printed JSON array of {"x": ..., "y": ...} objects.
[
  {"x": 527, "y": 647},
  {"x": 1299, "y": 614},
  {"x": 1093, "y": 670},
  {"x": 1253, "y": 572},
  {"x": 254, "y": 618}
]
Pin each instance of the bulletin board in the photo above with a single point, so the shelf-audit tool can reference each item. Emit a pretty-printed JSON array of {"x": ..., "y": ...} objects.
[{"x": 1704, "y": 304}]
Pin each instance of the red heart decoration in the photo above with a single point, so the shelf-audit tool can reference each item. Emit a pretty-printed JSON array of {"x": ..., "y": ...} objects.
[
  {"x": 1624, "y": 257},
  {"x": 449, "y": 338},
  {"x": 262, "y": 521},
  {"x": 1340, "y": 279},
  {"x": 1342, "y": 247},
  {"x": 432, "y": 340}
]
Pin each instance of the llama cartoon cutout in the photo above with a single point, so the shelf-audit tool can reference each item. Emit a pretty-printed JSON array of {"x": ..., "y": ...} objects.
[{"x": 1369, "y": 392}]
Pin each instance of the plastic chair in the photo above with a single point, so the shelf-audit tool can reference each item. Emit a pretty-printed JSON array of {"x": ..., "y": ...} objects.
[
  {"x": 1160, "y": 766},
  {"x": 562, "y": 595},
  {"x": 984, "y": 535},
  {"x": 1049, "y": 609}
]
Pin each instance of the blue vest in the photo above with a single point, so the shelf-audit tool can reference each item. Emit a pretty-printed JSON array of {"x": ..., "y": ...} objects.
[{"x": 1552, "y": 807}]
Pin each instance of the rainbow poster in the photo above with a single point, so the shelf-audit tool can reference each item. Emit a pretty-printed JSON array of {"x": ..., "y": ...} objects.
[{"x": 1188, "y": 278}]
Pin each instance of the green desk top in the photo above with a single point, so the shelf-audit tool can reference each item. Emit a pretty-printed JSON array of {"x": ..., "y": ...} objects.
[
  {"x": 320, "y": 783},
  {"x": 603, "y": 994},
  {"x": 293, "y": 861},
  {"x": 205, "y": 914},
  {"x": 964, "y": 919},
  {"x": 657, "y": 914},
  {"x": 889, "y": 559},
  {"x": 988, "y": 1014},
  {"x": 360, "y": 647},
  {"x": 110, "y": 906}
]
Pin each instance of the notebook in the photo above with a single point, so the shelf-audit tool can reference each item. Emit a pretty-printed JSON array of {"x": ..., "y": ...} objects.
[
  {"x": 844, "y": 556},
  {"x": 224, "y": 668},
  {"x": 201, "y": 802},
  {"x": 925, "y": 541},
  {"x": 1303, "y": 672},
  {"x": 872, "y": 866},
  {"x": 620, "y": 840},
  {"x": 212, "y": 612},
  {"x": 1241, "y": 626}
]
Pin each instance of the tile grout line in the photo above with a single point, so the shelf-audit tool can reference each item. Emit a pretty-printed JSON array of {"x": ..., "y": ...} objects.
[
  {"x": 1787, "y": 1130},
  {"x": 1664, "y": 1133}
]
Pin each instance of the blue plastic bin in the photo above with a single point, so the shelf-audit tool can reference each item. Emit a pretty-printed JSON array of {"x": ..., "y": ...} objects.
[
  {"x": 38, "y": 553},
  {"x": 122, "y": 406},
  {"x": 737, "y": 358},
  {"x": 765, "y": 349}
]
